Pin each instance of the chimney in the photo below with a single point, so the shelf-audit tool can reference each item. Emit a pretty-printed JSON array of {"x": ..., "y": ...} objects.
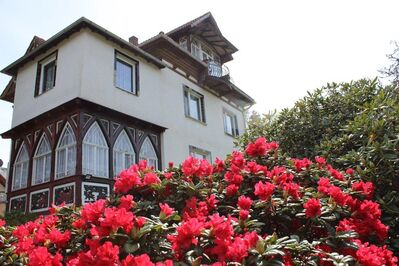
[{"x": 134, "y": 40}]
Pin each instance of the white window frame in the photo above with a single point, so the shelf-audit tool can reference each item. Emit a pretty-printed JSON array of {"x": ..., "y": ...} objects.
[
  {"x": 37, "y": 192},
  {"x": 234, "y": 123},
  {"x": 187, "y": 94},
  {"x": 66, "y": 185},
  {"x": 17, "y": 197},
  {"x": 155, "y": 158},
  {"x": 193, "y": 151},
  {"x": 119, "y": 57},
  {"x": 42, "y": 65},
  {"x": 93, "y": 184},
  {"x": 36, "y": 157},
  {"x": 21, "y": 186},
  {"x": 66, "y": 148},
  {"x": 96, "y": 146},
  {"x": 123, "y": 152}
]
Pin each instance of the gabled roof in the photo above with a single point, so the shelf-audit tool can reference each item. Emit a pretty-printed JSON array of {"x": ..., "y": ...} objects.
[
  {"x": 9, "y": 91},
  {"x": 206, "y": 27},
  {"x": 75, "y": 27}
]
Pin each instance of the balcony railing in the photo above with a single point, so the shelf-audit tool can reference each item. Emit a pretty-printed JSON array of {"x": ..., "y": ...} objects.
[{"x": 217, "y": 70}]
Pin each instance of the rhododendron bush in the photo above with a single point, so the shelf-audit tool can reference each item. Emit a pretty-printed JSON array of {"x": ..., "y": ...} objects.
[{"x": 256, "y": 207}]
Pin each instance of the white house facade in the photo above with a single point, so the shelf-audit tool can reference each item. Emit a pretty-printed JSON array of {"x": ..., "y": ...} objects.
[{"x": 88, "y": 104}]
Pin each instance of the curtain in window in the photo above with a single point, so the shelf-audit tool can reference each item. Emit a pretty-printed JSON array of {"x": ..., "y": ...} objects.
[
  {"x": 95, "y": 152},
  {"x": 147, "y": 152},
  {"x": 66, "y": 153},
  {"x": 124, "y": 155},
  {"x": 21, "y": 168},
  {"x": 42, "y": 162}
]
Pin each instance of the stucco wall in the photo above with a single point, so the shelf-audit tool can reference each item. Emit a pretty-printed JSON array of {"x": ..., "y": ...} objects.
[
  {"x": 67, "y": 86},
  {"x": 85, "y": 68},
  {"x": 160, "y": 101}
]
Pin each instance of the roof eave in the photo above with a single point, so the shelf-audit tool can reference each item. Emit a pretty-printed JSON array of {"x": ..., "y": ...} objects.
[{"x": 74, "y": 27}]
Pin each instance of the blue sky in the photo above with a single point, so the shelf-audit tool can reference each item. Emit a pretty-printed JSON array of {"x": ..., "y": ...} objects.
[{"x": 286, "y": 47}]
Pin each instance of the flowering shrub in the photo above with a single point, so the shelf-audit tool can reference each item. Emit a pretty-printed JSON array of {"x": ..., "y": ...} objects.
[{"x": 253, "y": 208}]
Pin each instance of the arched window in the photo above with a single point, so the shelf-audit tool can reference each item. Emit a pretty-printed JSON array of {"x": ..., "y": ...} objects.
[
  {"x": 66, "y": 153},
  {"x": 21, "y": 168},
  {"x": 42, "y": 162},
  {"x": 124, "y": 155},
  {"x": 147, "y": 152},
  {"x": 95, "y": 152}
]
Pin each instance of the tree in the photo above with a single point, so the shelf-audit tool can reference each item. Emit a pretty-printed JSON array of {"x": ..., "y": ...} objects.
[{"x": 392, "y": 71}]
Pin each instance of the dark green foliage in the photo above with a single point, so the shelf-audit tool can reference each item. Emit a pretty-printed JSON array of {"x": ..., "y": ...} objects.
[{"x": 353, "y": 125}]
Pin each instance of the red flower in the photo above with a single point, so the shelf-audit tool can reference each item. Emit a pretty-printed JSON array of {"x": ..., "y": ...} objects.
[
  {"x": 264, "y": 190},
  {"x": 166, "y": 211},
  {"x": 320, "y": 160},
  {"x": 324, "y": 185},
  {"x": 231, "y": 190},
  {"x": 238, "y": 250},
  {"x": 301, "y": 165},
  {"x": 370, "y": 255},
  {"x": 107, "y": 254},
  {"x": 91, "y": 212},
  {"x": 142, "y": 260},
  {"x": 2, "y": 222},
  {"x": 127, "y": 180},
  {"x": 196, "y": 167},
  {"x": 367, "y": 189},
  {"x": 260, "y": 147},
  {"x": 244, "y": 214},
  {"x": 117, "y": 218},
  {"x": 41, "y": 257},
  {"x": 312, "y": 208},
  {"x": 244, "y": 202},
  {"x": 58, "y": 238},
  {"x": 292, "y": 189},
  {"x": 126, "y": 202},
  {"x": 151, "y": 178}
]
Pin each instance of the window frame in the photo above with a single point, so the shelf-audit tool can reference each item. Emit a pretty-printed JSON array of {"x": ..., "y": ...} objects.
[
  {"x": 189, "y": 92},
  {"x": 96, "y": 148},
  {"x": 66, "y": 148},
  {"x": 13, "y": 188},
  {"x": 204, "y": 153},
  {"x": 40, "y": 74},
  {"x": 156, "y": 158},
  {"x": 134, "y": 65},
  {"x": 234, "y": 125},
  {"x": 36, "y": 157},
  {"x": 124, "y": 153}
]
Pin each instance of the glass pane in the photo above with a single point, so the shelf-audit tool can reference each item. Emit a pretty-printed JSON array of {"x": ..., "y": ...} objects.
[
  {"x": 228, "y": 124},
  {"x": 147, "y": 152},
  {"x": 124, "y": 78},
  {"x": 194, "y": 107},
  {"x": 71, "y": 163},
  {"x": 48, "y": 76}
]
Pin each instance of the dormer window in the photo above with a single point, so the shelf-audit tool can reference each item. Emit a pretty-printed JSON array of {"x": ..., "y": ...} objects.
[
  {"x": 196, "y": 50},
  {"x": 126, "y": 72},
  {"x": 46, "y": 74}
]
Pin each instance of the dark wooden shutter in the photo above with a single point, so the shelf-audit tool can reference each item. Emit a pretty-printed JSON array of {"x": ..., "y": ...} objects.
[
  {"x": 236, "y": 126},
  {"x": 55, "y": 73},
  {"x": 203, "y": 109},
  {"x": 37, "y": 84}
]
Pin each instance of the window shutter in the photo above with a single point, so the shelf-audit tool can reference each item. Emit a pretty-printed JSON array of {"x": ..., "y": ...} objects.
[
  {"x": 236, "y": 126},
  {"x": 186, "y": 112},
  {"x": 37, "y": 85},
  {"x": 203, "y": 109},
  {"x": 55, "y": 73}
]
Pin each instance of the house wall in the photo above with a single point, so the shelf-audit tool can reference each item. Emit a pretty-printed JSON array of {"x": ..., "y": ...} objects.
[
  {"x": 160, "y": 101},
  {"x": 68, "y": 81},
  {"x": 85, "y": 69}
]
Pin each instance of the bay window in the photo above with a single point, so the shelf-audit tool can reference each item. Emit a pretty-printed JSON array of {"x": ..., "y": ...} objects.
[
  {"x": 124, "y": 155},
  {"x": 21, "y": 166},
  {"x": 66, "y": 153},
  {"x": 95, "y": 152},
  {"x": 42, "y": 162}
]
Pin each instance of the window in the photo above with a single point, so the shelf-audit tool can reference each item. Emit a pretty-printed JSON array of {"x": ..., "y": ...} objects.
[
  {"x": 126, "y": 70},
  {"x": 147, "y": 152},
  {"x": 95, "y": 152},
  {"x": 46, "y": 74},
  {"x": 194, "y": 104},
  {"x": 200, "y": 153},
  {"x": 230, "y": 123},
  {"x": 183, "y": 43},
  {"x": 196, "y": 50},
  {"x": 21, "y": 168},
  {"x": 66, "y": 153},
  {"x": 124, "y": 155},
  {"x": 42, "y": 162}
]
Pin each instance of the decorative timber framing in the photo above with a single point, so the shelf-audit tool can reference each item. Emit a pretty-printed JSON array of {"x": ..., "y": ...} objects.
[{"x": 80, "y": 115}]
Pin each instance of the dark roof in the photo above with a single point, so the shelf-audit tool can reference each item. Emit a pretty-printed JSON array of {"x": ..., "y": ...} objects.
[
  {"x": 206, "y": 27},
  {"x": 75, "y": 27}
]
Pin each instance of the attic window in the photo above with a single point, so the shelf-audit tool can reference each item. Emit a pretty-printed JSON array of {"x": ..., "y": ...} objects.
[
  {"x": 126, "y": 73},
  {"x": 46, "y": 74}
]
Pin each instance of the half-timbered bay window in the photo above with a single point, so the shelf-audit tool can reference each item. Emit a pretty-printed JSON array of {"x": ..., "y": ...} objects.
[
  {"x": 21, "y": 166},
  {"x": 95, "y": 152},
  {"x": 66, "y": 153},
  {"x": 124, "y": 155},
  {"x": 147, "y": 152},
  {"x": 126, "y": 72},
  {"x": 42, "y": 162},
  {"x": 46, "y": 74},
  {"x": 194, "y": 104},
  {"x": 230, "y": 123}
]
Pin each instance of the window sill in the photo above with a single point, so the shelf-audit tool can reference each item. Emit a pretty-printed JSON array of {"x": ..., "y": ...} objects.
[
  {"x": 16, "y": 189},
  {"x": 129, "y": 92},
  {"x": 38, "y": 184},
  {"x": 231, "y": 136},
  {"x": 196, "y": 120}
]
